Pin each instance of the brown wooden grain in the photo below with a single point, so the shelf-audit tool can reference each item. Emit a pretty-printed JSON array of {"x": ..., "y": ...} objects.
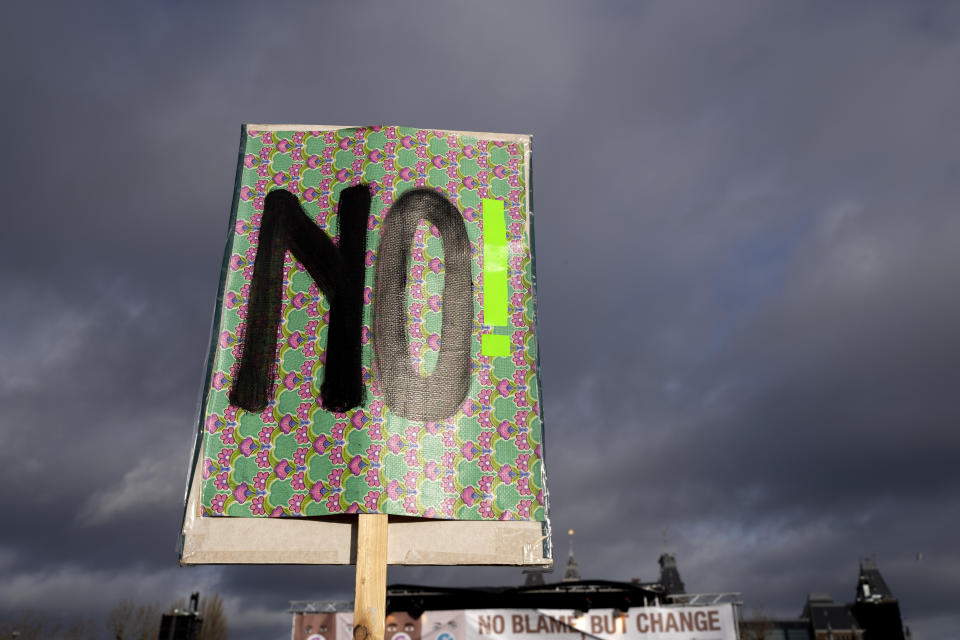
[{"x": 369, "y": 608}]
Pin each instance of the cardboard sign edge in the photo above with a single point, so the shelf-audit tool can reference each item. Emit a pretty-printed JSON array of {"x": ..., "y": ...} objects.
[{"x": 224, "y": 540}]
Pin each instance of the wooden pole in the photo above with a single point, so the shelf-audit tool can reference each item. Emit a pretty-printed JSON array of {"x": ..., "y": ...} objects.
[{"x": 370, "y": 600}]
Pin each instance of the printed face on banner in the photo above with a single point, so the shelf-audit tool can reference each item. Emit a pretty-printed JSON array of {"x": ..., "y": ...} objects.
[{"x": 375, "y": 348}]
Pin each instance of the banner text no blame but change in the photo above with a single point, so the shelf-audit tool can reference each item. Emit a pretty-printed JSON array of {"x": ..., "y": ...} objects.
[{"x": 653, "y": 620}]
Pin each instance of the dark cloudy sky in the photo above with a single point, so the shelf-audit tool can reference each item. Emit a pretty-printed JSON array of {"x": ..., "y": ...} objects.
[{"x": 748, "y": 219}]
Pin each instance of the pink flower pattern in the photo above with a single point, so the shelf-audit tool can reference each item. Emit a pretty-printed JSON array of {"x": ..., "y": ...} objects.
[{"x": 272, "y": 453}]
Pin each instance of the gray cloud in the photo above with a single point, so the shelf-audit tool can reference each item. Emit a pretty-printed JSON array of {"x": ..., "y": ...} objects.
[{"x": 746, "y": 234}]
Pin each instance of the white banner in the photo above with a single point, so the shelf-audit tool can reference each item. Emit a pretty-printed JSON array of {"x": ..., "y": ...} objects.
[{"x": 713, "y": 622}]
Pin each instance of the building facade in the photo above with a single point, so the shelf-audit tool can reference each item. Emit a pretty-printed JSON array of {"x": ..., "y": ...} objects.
[
  {"x": 574, "y": 609},
  {"x": 873, "y": 615}
]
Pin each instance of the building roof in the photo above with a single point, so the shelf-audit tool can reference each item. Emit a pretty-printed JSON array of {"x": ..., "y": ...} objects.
[
  {"x": 770, "y": 629},
  {"x": 871, "y": 586},
  {"x": 670, "y": 575},
  {"x": 534, "y": 576},
  {"x": 829, "y": 615}
]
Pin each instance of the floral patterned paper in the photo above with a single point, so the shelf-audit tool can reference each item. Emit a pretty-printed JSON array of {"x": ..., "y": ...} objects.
[{"x": 297, "y": 459}]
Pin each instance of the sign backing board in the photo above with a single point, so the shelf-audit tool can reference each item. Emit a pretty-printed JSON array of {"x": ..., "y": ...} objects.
[{"x": 464, "y": 482}]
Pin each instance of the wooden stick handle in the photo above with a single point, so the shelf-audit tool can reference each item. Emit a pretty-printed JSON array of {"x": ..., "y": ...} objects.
[{"x": 370, "y": 601}]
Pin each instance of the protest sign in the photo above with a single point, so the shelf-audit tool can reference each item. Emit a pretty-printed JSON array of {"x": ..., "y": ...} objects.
[{"x": 374, "y": 351}]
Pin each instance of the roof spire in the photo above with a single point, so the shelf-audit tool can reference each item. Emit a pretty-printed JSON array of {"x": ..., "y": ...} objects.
[{"x": 572, "y": 572}]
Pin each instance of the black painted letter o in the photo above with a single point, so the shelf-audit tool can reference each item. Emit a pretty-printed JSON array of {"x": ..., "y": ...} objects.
[{"x": 409, "y": 394}]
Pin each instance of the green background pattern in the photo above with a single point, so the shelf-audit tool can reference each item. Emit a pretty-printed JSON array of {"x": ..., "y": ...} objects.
[{"x": 297, "y": 459}]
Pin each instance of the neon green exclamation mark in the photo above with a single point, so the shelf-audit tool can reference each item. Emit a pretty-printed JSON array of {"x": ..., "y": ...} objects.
[{"x": 494, "y": 278}]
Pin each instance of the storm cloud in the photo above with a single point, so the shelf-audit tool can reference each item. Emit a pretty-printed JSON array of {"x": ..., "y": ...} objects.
[{"x": 748, "y": 244}]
